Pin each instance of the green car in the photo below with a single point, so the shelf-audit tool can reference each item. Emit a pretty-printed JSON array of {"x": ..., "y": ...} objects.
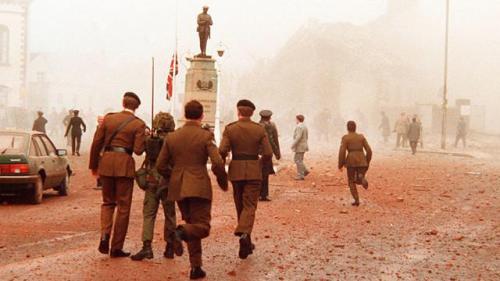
[{"x": 30, "y": 164}]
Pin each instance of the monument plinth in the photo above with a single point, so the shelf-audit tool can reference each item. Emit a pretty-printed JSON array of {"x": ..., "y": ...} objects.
[{"x": 201, "y": 85}]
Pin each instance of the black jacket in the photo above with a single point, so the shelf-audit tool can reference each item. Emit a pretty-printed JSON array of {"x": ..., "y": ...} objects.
[{"x": 76, "y": 123}]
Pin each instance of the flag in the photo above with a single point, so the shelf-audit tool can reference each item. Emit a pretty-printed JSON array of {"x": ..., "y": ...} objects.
[{"x": 174, "y": 67}]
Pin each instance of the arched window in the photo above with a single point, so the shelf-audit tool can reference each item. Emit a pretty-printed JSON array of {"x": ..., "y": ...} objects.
[{"x": 4, "y": 44}]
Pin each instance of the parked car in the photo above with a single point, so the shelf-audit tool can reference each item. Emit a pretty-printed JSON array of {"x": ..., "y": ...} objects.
[{"x": 30, "y": 164}]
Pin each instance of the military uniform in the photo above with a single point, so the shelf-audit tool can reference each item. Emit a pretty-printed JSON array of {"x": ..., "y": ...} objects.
[
  {"x": 204, "y": 21},
  {"x": 356, "y": 161},
  {"x": 75, "y": 124},
  {"x": 39, "y": 124},
  {"x": 268, "y": 169},
  {"x": 461, "y": 132},
  {"x": 414, "y": 130},
  {"x": 246, "y": 140},
  {"x": 116, "y": 169},
  {"x": 187, "y": 151}
]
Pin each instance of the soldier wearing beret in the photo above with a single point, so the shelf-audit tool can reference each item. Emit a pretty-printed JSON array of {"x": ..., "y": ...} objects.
[
  {"x": 183, "y": 159},
  {"x": 272, "y": 134},
  {"x": 245, "y": 139},
  {"x": 120, "y": 136},
  {"x": 356, "y": 161}
]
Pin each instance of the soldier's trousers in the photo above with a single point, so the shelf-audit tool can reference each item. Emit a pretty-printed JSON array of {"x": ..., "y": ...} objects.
[
  {"x": 150, "y": 210},
  {"x": 116, "y": 194},
  {"x": 75, "y": 143},
  {"x": 355, "y": 176},
  {"x": 264, "y": 192},
  {"x": 196, "y": 212},
  {"x": 413, "y": 145},
  {"x": 246, "y": 196}
]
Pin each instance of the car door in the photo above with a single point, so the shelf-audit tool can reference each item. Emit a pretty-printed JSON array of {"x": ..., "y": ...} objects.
[
  {"x": 45, "y": 161},
  {"x": 58, "y": 163}
]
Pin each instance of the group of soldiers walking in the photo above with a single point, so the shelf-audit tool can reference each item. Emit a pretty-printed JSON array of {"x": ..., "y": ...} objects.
[{"x": 175, "y": 170}]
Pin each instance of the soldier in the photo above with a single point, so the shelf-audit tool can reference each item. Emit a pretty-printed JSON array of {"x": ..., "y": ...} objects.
[
  {"x": 183, "y": 159},
  {"x": 461, "y": 131},
  {"x": 272, "y": 133},
  {"x": 40, "y": 122},
  {"x": 385, "y": 127},
  {"x": 120, "y": 135},
  {"x": 414, "y": 131},
  {"x": 75, "y": 124},
  {"x": 300, "y": 147},
  {"x": 66, "y": 120},
  {"x": 246, "y": 140},
  {"x": 356, "y": 162},
  {"x": 163, "y": 124},
  {"x": 204, "y": 22},
  {"x": 401, "y": 129}
]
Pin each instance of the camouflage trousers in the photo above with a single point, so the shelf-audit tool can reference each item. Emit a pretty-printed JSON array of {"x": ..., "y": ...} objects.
[{"x": 152, "y": 200}]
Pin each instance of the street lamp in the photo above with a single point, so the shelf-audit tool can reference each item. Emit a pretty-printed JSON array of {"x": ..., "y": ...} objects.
[
  {"x": 220, "y": 52},
  {"x": 445, "y": 88}
]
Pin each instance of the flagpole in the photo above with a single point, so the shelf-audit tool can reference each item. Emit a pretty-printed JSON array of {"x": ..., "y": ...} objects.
[
  {"x": 174, "y": 74},
  {"x": 152, "y": 90}
]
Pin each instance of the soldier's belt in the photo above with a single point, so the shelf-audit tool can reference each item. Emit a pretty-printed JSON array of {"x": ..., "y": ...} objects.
[
  {"x": 245, "y": 157},
  {"x": 118, "y": 149}
]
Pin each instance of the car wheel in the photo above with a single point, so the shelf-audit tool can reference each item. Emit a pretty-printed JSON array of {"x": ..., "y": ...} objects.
[
  {"x": 62, "y": 190},
  {"x": 37, "y": 191}
]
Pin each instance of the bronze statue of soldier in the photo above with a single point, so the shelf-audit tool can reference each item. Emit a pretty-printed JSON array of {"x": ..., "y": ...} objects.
[{"x": 204, "y": 23}]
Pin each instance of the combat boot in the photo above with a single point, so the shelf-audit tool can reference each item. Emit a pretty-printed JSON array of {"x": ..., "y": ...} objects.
[
  {"x": 245, "y": 246},
  {"x": 197, "y": 273},
  {"x": 169, "y": 251},
  {"x": 104, "y": 244},
  {"x": 364, "y": 183},
  {"x": 145, "y": 253}
]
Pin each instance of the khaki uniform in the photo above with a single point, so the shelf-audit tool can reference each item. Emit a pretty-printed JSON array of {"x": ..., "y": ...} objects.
[
  {"x": 356, "y": 161},
  {"x": 246, "y": 140},
  {"x": 117, "y": 170},
  {"x": 187, "y": 151}
]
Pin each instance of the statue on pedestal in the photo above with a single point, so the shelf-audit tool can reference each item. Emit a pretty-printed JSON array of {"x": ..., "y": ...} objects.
[{"x": 204, "y": 23}]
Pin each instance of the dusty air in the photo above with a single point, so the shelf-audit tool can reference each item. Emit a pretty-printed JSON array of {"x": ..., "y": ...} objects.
[{"x": 249, "y": 140}]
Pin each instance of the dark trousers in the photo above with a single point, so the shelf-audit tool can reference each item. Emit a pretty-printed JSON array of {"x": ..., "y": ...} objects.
[
  {"x": 116, "y": 194},
  {"x": 246, "y": 196},
  {"x": 264, "y": 192},
  {"x": 75, "y": 143},
  {"x": 355, "y": 175},
  {"x": 458, "y": 138},
  {"x": 196, "y": 212}
]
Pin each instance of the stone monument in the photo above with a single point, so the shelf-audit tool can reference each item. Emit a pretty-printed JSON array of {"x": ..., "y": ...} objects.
[{"x": 201, "y": 76}]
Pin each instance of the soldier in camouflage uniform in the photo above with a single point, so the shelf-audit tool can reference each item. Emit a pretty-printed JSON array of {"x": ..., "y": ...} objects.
[{"x": 157, "y": 192}]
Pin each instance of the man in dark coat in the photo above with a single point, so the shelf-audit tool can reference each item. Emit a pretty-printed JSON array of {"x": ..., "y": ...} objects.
[
  {"x": 272, "y": 134},
  {"x": 40, "y": 122},
  {"x": 75, "y": 124}
]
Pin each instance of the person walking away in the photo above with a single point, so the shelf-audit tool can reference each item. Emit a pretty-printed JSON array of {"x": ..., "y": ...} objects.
[
  {"x": 183, "y": 158},
  {"x": 156, "y": 192},
  {"x": 40, "y": 122},
  {"x": 66, "y": 121},
  {"x": 121, "y": 135},
  {"x": 76, "y": 124},
  {"x": 300, "y": 147},
  {"x": 246, "y": 140},
  {"x": 385, "y": 127},
  {"x": 356, "y": 161},
  {"x": 401, "y": 129},
  {"x": 461, "y": 132},
  {"x": 272, "y": 133},
  {"x": 414, "y": 131}
]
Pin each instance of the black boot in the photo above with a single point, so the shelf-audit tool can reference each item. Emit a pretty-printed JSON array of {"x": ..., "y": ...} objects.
[
  {"x": 104, "y": 244},
  {"x": 245, "y": 246},
  {"x": 197, "y": 273},
  {"x": 145, "y": 253},
  {"x": 119, "y": 254},
  {"x": 169, "y": 251}
]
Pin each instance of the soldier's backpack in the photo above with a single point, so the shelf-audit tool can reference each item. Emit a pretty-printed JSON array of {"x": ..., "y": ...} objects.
[{"x": 163, "y": 123}]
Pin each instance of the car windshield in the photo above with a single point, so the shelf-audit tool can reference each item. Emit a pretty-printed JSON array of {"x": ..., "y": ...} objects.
[{"x": 11, "y": 143}]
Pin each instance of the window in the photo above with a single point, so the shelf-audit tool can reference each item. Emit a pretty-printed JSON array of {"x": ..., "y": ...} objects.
[
  {"x": 48, "y": 144},
  {"x": 4, "y": 44},
  {"x": 40, "y": 145},
  {"x": 13, "y": 143}
]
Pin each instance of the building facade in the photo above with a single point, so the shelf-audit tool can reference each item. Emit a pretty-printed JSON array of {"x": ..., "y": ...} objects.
[{"x": 13, "y": 52}]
